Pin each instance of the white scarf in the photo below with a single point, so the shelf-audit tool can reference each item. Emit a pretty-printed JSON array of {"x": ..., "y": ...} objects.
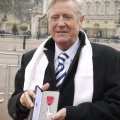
[{"x": 83, "y": 79}]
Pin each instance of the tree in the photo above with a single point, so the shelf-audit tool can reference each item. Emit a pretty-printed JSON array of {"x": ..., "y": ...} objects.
[
  {"x": 6, "y": 6},
  {"x": 21, "y": 10}
]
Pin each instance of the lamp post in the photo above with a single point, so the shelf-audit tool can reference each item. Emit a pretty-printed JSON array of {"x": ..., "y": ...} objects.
[
  {"x": 38, "y": 32},
  {"x": 119, "y": 17},
  {"x": 4, "y": 18},
  {"x": 118, "y": 25}
]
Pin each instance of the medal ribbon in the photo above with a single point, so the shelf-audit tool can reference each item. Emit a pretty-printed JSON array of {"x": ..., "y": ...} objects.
[{"x": 50, "y": 100}]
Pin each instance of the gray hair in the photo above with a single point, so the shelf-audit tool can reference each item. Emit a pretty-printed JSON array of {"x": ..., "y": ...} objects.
[{"x": 78, "y": 6}]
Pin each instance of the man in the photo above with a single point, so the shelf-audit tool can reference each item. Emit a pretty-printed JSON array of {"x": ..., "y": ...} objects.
[{"x": 88, "y": 81}]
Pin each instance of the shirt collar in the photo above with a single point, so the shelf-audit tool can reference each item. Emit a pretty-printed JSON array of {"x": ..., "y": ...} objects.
[{"x": 70, "y": 52}]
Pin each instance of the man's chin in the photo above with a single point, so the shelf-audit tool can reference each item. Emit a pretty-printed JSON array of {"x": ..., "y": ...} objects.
[{"x": 62, "y": 40}]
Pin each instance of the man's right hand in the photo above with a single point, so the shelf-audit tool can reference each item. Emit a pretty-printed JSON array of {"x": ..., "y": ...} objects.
[{"x": 27, "y": 96}]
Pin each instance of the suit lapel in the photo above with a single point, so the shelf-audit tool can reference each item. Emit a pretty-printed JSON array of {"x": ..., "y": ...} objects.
[
  {"x": 50, "y": 56},
  {"x": 50, "y": 72}
]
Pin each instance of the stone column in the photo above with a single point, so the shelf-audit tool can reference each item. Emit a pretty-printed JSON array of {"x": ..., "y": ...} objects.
[
  {"x": 35, "y": 25},
  {"x": 45, "y": 4}
]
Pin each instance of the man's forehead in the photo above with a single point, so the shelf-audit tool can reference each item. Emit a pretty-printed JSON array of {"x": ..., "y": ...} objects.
[
  {"x": 63, "y": 3},
  {"x": 62, "y": 8},
  {"x": 62, "y": 12}
]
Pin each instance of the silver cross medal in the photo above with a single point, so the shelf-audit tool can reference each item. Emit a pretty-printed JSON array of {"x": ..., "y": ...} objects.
[
  {"x": 49, "y": 102},
  {"x": 48, "y": 113}
]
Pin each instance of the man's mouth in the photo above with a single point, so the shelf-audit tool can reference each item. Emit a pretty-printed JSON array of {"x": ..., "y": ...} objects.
[{"x": 61, "y": 31}]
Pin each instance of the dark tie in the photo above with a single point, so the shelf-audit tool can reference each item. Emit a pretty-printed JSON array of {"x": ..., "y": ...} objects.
[{"x": 60, "y": 70}]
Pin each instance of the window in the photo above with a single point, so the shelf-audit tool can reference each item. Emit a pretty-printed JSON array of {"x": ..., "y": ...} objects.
[
  {"x": 88, "y": 8},
  {"x": 98, "y": 5},
  {"x": 107, "y": 6}
]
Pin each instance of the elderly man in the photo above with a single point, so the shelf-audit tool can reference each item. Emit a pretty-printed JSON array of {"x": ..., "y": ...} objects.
[{"x": 87, "y": 75}]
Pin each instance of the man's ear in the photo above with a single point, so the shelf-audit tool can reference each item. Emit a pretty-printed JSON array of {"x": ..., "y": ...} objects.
[{"x": 81, "y": 20}]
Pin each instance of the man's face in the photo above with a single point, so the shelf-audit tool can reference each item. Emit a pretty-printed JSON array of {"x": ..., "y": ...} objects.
[{"x": 64, "y": 24}]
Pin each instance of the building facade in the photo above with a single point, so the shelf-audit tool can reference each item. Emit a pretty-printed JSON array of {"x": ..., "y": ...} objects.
[{"x": 101, "y": 17}]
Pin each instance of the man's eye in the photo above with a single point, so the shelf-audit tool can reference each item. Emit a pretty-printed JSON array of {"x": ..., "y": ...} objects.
[
  {"x": 68, "y": 17},
  {"x": 54, "y": 17}
]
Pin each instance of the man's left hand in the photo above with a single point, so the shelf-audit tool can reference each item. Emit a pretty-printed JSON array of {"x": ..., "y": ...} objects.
[{"x": 60, "y": 115}]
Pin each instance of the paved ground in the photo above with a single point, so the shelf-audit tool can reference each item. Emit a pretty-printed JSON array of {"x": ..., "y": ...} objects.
[{"x": 11, "y": 50}]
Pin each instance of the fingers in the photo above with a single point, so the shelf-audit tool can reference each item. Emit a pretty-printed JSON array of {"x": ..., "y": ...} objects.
[
  {"x": 45, "y": 86},
  {"x": 60, "y": 115},
  {"x": 26, "y": 99}
]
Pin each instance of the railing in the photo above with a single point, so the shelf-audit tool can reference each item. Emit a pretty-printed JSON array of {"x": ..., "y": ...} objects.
[
  {"x": 7, "y": 76},
  {"x": 12, "y": 36},
  {"x": 10, "y": 58},
  {"x": 9, "y": 65}
]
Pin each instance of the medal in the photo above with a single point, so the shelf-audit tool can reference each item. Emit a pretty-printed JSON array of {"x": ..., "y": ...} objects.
[{"x": 50, "y": 100}]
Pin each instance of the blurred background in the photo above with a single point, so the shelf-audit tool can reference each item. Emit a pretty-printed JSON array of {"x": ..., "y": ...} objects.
[{"x": 24, "y": 26}]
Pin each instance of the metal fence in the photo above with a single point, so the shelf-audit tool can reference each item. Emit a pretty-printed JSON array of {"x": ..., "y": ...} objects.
[
  {"x": 10, "y": 58},
  {"x": 7, "y": 76},
  {"x": 9, "y": 65}
]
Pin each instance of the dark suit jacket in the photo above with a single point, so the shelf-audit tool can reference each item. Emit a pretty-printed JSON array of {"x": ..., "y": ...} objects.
[{"x": 105, "y": 104}]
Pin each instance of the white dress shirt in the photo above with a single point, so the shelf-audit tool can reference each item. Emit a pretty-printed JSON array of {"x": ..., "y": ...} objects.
[{"x": 70, "y": 52}]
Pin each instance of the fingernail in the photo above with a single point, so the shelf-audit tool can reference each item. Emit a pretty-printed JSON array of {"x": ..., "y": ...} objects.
[{"x": 31, "y": 105}]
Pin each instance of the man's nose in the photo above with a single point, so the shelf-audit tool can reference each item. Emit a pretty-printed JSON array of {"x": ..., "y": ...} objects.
[{"x": 61, "y": 22}]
